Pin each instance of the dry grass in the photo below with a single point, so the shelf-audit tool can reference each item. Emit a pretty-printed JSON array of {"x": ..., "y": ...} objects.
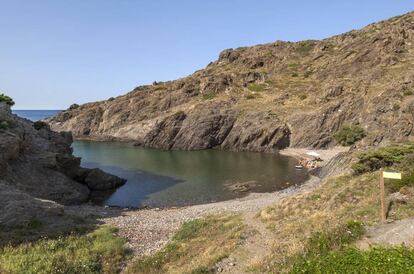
[{"x": 195, "y": 248}]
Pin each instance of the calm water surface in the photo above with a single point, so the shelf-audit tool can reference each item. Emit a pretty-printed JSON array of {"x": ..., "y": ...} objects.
[{"x": 176, "y": 178}]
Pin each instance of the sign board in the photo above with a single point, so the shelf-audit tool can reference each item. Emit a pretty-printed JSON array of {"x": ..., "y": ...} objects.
[
  {"x": 391, "y": 175},
  {"x": 388, "y": 175}
]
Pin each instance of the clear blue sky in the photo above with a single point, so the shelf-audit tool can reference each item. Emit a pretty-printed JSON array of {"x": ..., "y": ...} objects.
[{"x": 54, "y": 52}]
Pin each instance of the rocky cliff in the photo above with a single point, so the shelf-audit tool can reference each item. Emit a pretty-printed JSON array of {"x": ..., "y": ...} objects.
[
  {"x": 271, "y": 96},
  {"x": 39, "y": 174}
]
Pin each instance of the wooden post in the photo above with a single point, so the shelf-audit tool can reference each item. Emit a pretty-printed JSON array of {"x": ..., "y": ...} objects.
[{"x": 382, "y": 196}]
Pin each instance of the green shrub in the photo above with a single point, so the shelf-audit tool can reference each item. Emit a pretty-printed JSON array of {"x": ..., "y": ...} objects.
[
  {"x": 360, "y": 168},
  {"x": 323, "y": 242},
  {"x": 256, "y": 87},
  {"x": 160, "y": 87},
  {"x": 8, "y": 100},
  {"x": 209, "y": 96},
  {"x": 375, "y": 159},
  {"x": 250, "y": 96},
  {"x": 349, "y": 135},
  {"x": 407, "y": 91},
  {"x": 351, "y": 260},
  {"x": 4, "y": 125},
  {"x": 293, "y": 65},
  {"x": 97, "y": 252},
  {"x": 35, "y": 224},
  {"x": 39, "y": 125}
]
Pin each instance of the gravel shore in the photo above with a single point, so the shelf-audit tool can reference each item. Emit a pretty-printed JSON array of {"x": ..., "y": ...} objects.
[{"x": 148, "y": 230}]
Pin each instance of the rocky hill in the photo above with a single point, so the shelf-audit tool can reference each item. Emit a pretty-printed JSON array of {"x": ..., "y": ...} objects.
[
  {"x": 39, "y": 175},
  {"x": 271, "y": 96}
]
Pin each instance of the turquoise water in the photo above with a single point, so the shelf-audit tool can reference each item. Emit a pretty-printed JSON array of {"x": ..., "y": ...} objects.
[
  {"x": 35, "y": 115},
  {"x": 176, "y": 178}
]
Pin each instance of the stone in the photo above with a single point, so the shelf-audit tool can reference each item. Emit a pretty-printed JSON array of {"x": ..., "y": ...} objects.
[{"x": 97, "y": 179}]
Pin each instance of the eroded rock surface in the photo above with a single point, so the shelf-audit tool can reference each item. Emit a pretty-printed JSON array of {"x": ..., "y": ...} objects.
[
  {"x": 39, "y": 174},
  {"x": 270, "y": 96}
]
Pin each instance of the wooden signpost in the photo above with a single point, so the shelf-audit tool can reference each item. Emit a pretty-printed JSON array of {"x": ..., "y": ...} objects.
[{"x": 388, "y": 175}]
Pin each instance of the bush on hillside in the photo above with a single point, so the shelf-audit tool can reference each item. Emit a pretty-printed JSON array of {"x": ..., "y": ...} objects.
[
  {"x": 6, "y": 99},
  {"x": 349, "y": 135},
  {"x": 39, "y": 125},
  {"x": 256, "y": 87},
  {"x": 209, "y": 96},
  {"x": 4, "y": 125},
  {"x": 321, "y": 245},
  {"x": 375, "y": 159},
  {"x": 342, "y": 236}
]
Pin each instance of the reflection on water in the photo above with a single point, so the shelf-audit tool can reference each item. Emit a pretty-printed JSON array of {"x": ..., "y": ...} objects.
[{"x": 175, "y": 178}]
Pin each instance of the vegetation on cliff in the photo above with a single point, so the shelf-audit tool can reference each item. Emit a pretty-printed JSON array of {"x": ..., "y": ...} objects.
[
  {"x": 6, "y": 99},
  {"x": 349, "y": 135}
]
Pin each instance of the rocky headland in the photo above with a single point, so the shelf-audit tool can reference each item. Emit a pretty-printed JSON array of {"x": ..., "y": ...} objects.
[
  {"x": 39, "y": 176},
  {"x": 269, "y": 97}
]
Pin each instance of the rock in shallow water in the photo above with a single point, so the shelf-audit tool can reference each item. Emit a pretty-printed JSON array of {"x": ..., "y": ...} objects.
[{"x": 100, "y": 180}]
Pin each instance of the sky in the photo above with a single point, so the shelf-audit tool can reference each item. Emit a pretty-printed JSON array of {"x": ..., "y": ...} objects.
[{"x": 54, "y": 53}]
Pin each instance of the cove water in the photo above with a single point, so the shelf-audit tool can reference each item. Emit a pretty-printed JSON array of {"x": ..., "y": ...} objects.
[{"x": 159, "y": 178}]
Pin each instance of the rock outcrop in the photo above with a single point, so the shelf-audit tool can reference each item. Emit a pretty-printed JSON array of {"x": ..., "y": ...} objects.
[
  {"x": 271, "y": 96},
  {"x": 39, "y": 174}
]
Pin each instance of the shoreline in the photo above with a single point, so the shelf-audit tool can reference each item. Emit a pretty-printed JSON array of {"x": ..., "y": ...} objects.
[{"x": 149, "y": 230}]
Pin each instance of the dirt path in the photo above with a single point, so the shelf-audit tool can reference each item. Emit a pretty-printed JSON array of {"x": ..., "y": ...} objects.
[{"x": 253, "y": 250}]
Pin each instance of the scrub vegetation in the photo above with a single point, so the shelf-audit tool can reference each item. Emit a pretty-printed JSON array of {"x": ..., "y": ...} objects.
[
  {"x": 100, "y": 251},
  {"x": 6, "y": 99},
  {"x": 349, "y": 135},
  {"x": 314, "y": 232}
]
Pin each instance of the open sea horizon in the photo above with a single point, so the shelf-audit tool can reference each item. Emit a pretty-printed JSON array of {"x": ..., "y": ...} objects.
[{"x": 35, "y": 115}]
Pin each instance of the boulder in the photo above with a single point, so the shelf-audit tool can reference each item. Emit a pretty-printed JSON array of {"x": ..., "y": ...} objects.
[
  {"x": 19, "y": 208},
  {"x": 97, "y": 179}
]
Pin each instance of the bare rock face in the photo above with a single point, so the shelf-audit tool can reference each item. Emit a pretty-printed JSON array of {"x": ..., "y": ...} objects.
[
  {"x": 270, "y": 96},
  {"x": 39, "y": 174},
  {"x": 163, "y": 134},
  {"x": 19, "y": 208},
  {"x": 206, "y": 128},
  {"x": 257, "y": 132}
]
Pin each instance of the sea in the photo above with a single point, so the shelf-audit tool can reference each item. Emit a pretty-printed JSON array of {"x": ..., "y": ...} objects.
[{"x": 35, "y": 115}]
